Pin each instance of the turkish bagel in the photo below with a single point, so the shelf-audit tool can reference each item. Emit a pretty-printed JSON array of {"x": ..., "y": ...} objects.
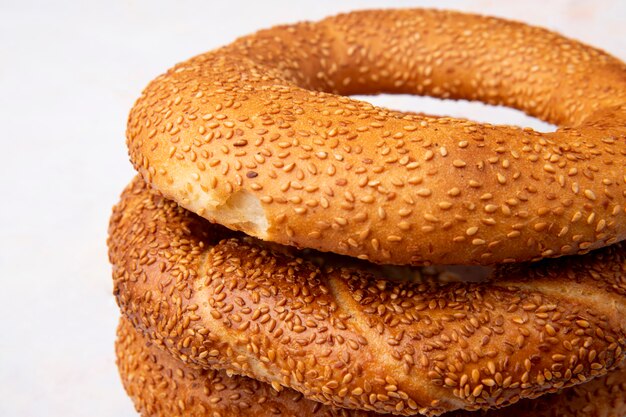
[
  {"x": 162, "y": 386},
  {"x": 353, "y": 338},
  {"x": 259, "y": 137}
]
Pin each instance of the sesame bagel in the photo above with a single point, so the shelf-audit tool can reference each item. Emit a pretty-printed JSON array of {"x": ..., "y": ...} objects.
[
  {"x": 353, "y": 338},
  {"x": 259, "y": 136},
  {"x": 161, "y": 386}
]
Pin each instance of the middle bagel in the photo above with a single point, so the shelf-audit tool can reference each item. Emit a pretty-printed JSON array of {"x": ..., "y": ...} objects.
[{"x": 358, "y": 338}]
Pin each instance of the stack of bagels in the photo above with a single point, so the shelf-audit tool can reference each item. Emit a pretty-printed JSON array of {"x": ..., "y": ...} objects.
[{"x": 287, "y": 250}]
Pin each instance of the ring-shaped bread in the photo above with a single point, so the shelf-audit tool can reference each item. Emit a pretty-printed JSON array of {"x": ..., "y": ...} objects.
[
  {"x": 377, "y": 340},
  {"x": 260, "y": 137},
  {"x": 161, "y": 386}
]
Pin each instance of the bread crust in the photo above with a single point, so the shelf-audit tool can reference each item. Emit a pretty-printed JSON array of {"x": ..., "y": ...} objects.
[
  {"x": 356, "y": 339},
  {"x": 161, "y": 386},
  {"x": 256, "y": 136}
]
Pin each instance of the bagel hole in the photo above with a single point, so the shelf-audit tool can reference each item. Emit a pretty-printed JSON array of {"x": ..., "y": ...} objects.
[
  {"x": 399, "y": 273},
  {"x": 463, "y": 109},
  {"x": 436, "y": 273},
  {"x": 242, "y": 211}
]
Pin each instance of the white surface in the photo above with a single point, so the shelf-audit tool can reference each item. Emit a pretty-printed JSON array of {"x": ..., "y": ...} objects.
[{"x": 69, "y": 73}]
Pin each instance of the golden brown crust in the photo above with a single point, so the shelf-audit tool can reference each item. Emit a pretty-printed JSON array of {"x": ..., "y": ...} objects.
[
  {"x": 161, "y": 386},
  {"x": 245, "y": 136},
  {"x": 354, "y": 339}
]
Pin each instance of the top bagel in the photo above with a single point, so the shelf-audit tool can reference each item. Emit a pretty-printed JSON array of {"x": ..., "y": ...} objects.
[{"x": 258, "y": 137}]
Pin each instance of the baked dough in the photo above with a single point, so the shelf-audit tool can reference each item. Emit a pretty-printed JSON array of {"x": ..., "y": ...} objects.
[
  {"x": 161, "y": 386},
  {"x": 259, "y": 137},
  {"x": 357, "y": 339}
]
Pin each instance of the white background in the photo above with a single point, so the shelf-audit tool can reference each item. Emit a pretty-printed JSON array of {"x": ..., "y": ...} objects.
[{"x": 69, "y": 73}]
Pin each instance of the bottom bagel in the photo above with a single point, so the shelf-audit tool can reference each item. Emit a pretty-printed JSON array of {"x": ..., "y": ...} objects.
[{"x": 162, "y": 386}]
